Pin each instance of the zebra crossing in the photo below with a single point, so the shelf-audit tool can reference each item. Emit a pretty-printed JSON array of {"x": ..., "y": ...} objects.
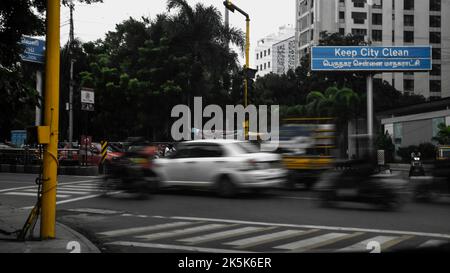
[
  {"x": 227, "y": 237},
  {"x": 65, "y": 191}
]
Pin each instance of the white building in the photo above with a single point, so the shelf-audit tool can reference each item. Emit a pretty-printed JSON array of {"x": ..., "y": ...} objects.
[
  {"x": 266, "y": 59},
  {"x": 284, "y": 56},
  {"x": 394, "y": 22}
]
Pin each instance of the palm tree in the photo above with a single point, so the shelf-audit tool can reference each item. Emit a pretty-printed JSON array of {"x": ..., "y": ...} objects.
[
  {"x": 342, "y": 104},
  {"x": 203, "y": 34},
  {"x": 443, "y": 136}
]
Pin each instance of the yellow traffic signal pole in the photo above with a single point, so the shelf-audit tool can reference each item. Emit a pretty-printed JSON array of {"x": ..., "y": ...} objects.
[
  {"x": 51, "y": 119},
  {"x": 230, "y": 6}
]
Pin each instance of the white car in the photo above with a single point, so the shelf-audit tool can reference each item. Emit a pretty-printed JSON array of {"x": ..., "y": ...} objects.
[{"x": 226, "y": 166}]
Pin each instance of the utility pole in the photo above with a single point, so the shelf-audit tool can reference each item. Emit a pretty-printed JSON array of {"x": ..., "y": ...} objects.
[
  {"x": 51, "y": 120},
  {"x": 71, "y": 83}
]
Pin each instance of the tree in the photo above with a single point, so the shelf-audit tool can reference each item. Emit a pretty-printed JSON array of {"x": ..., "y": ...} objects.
[
  {"x": 145, "y": 67},
  {"x": 443, "y": 136},
  {"x": 19, "y": 97}
]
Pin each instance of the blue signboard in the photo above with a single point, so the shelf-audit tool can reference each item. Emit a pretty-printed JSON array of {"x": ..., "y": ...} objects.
[
  {"x": 34, "y": 50},
  {"x": 371, "y": 58}
]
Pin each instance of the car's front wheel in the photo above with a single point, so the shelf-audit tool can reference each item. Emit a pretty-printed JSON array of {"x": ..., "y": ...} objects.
[{"x": 226, "y": 187}]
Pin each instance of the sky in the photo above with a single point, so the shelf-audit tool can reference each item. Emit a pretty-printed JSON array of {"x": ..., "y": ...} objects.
[{"x": 93, "y": 21}]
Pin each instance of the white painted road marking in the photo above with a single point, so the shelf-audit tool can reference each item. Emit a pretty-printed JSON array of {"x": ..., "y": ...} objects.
[
  {"x": 334, "y": 228},
  {"x": 96, "y": 211},
  {"x": 178, "y": 232},
  {"x": 221, "y": 235},
  {"x": 129, "y": 231},
  {"x": 34, "y": 186},
  {"x": 177, "y": 247},
  {"x": 267, "y": 238},
  {"x": 362, "y": 246},
  {"x": 433, "y": 243},
  {"x": 33, "y": 194},
  {"x": 330, "y": 237}
]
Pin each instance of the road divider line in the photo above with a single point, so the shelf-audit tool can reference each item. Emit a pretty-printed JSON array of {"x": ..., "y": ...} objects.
[
  {"x": 179, "y": 232},
  {"x": 176, "y": 247},
  {"x": 334, "y": 228},
  {"x": 222, "y": 235},
  {"x": 129, "y": 231}
]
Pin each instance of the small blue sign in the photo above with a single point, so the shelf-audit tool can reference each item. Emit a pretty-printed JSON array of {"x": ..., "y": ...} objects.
[
  {"x": 34, "y": 50},
  {"x": 371, "y": 58}
]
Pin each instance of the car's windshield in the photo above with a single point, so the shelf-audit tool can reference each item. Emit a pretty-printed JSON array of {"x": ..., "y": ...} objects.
[{"x": 245, "y": 147}]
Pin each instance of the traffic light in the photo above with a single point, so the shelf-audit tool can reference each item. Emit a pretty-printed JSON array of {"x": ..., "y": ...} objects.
[
  {"x": 229, "y": 5},
  {"x": 250, "y": 73}
]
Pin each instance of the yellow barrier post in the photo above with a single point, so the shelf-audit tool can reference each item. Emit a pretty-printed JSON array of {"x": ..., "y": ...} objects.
[{"x": 50, "y": 172}]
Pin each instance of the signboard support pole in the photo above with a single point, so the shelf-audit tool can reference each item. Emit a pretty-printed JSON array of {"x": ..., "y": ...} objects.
[
  {"x": 38, "y": 121},
  {"x": 370, "y": 111}
]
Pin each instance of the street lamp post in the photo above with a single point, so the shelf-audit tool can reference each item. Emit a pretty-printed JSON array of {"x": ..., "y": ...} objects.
[{"x": 231, "y": 7}]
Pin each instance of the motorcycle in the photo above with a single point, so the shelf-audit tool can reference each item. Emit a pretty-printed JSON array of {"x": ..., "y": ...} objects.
[
  {"x": 131, "y": 173},
  {"x": 360, "y": 182},
  {"x": 416, "y": 168}
]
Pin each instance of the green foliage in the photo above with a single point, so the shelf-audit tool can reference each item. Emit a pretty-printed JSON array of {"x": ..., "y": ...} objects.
[
  {"x": 145, "y": 67},
  {"x": 443, "y": 136},
  {"x": 384, "y": 142}
]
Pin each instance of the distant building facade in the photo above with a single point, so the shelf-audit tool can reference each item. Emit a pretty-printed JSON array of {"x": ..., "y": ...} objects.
[
  {"x": 276, "y": 52},
  {"x": 394, "y": 23}
]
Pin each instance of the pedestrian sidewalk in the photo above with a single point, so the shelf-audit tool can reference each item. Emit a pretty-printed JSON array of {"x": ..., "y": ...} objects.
[{"x": 66, "y": 241}]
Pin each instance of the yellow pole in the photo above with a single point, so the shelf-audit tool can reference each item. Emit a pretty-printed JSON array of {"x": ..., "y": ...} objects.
[{"x": 51, "y": 119}]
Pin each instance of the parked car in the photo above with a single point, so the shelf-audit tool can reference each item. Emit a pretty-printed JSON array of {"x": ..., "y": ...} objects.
[{"x": 225, "y": 166}]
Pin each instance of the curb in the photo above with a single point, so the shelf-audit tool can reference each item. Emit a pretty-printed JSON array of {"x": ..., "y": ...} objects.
[{"x": 91, "y": 248}]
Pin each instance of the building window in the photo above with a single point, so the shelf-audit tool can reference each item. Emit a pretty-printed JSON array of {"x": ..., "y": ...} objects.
[
  {"x": 268, "y": 52},
  {"x": 358, "y": 3},
  {"x": 436, "y": 53},
  {"x": 378, "y": 4},
  {"x": 408, "y": 37},
  {"x": 408, "y": 85},
  {"x": 377, "y": 19},
  {"x": 342, "y": 15},
  {"x": 408, "y": 20},
  {"x": 435, "y": 37},
  {"x": 342, "y": 31},
  {"x": 265, "y": 53},
  {"x": 359, "y": 32},
  {"x": 257, "y": 56},
  {"x": 435, "y": 5},
  {"x": 435, "y": 86},
  {"x": 435, "y": 21},
  {"x": 265, "y": 66},
  {"x": 436, "y": 70},
  {"x": 377, "y": 35},
  {"x": 359, "y": 17},
  {"x": 268, "y": 65},
  {"x": 408, "y": 74},
  {"x": 408, "y": 4}
]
